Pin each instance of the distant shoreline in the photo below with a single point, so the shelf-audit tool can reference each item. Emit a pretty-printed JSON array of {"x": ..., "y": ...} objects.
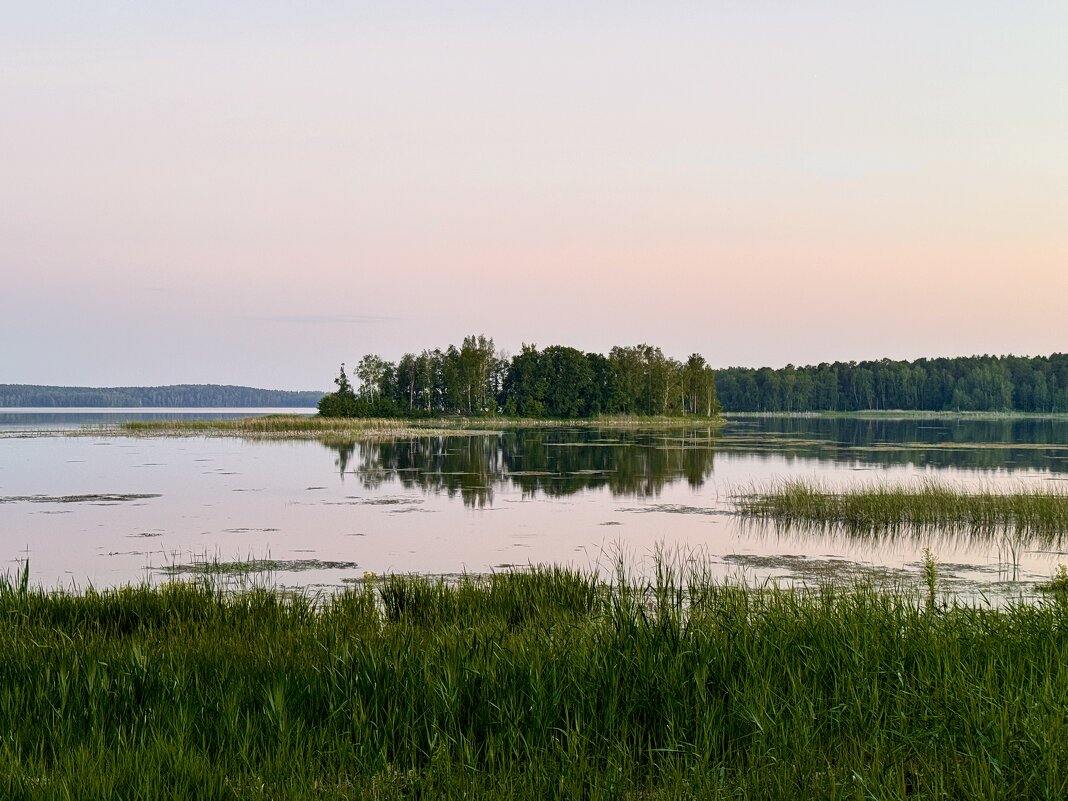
[
  {"x": 902, "y": 414},
  {"x": 39, "y": 397}
]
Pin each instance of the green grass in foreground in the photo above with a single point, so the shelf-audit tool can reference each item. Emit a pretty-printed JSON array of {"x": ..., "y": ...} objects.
[
  {"x": 285, "y": 425},
  {"x": 1040, "y": 512},
  {"x": 545, "y": 684}
]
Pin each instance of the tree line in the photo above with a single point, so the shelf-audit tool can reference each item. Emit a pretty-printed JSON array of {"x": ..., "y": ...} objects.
[
  {"x": 557, "y": 382},
  {"x": 974, "y": 383},
  {"x": 180, "y": 395}
]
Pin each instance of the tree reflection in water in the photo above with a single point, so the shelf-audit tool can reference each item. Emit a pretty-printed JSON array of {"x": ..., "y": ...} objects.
[
  {"x": 640, "y": 462},
  {"x": 554, "y": 462}
]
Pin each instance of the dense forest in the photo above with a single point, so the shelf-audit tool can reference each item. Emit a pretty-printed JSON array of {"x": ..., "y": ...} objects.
[
  {"x": 975, "y": 383},
  {"x": 181, "y": 395},
  {"x": 560, "y": 382}
]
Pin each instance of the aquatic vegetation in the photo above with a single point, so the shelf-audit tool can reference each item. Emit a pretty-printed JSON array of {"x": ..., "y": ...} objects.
[
  {"x": 340, "y": 430},
  {"x": 95, "y": 498},
  {"x": 250, "y": 567},
  {"x": 1057, "y": 584},
  {"x": 928, "y": 504},
  {"x": 529, "y": 684}
]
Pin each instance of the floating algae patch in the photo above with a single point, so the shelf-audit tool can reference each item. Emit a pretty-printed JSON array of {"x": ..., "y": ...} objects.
[
  {"x": 387, "y": 500},
  {"x": 591, "y": 444},
  {"x": 251, "y": 566},
  {"x": 674, "y": 508},
  {"x": 764, "y": 439},
  {"x": 356, "y": 500},
  {"x": 97, "y": 498},
  {"x": 960, "y": 580},
  {"x": 819, "y": 570}
]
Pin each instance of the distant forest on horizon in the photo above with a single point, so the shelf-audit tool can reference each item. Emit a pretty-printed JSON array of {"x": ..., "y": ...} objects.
[
  {"x": 178, "y": 395},
  {"x": 558, "y": 381},
  {"x": 563, "y": 382},
  {"x": 964, "y": 383}
]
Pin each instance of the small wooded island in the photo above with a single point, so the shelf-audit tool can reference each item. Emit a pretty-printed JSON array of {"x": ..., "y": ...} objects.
[{"x": 556, "y": 382}]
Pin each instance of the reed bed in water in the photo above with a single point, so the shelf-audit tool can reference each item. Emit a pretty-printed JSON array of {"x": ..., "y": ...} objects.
[
  {"x": 309, "y": 426},
  {"x": 928, "y": 504},
  {"x": 541, "y": 684},
  {"x": 281, "y": 425}
]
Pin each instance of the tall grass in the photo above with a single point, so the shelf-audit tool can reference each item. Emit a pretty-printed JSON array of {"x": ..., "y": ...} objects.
[
  {"x": 280, "y": 425},
  {"x": 542, "y": 684},
  {"x": 292, "y": 425},
  {"x": 929, "y": 504}
]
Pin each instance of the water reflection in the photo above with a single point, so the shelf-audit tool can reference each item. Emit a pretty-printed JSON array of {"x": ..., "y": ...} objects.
[
  {"x": 639, "y": 463},
  {"x": 406, "y": 505},
  {"x": 72, "y": 418},
  {"x": 963, "y": 443},
  {"x": 553, "y": 463},
  {"x": 1008, "y": 540}
]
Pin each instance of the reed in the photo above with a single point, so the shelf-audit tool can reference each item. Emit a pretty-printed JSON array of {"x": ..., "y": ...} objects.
[
  {"x": 314, "y": 426},
  {"x": 927, "y": 505},
  {"x": 546, "y": 683}
]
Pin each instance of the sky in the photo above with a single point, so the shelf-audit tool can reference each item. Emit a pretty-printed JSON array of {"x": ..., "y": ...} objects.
[{"x": 253, "y": 192}]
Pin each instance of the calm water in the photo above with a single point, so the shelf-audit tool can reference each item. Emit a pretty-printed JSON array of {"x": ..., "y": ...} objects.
[
  {"x": 62, "y": 419},
  {"x": 106, "y": 510}
]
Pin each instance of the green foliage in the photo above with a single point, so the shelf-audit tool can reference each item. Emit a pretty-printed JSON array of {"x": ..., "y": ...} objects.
[
  {"x": 1059, "y": 582},
  {"x": 557, "y": 382},
  {"x": 930, "y": 577},
  {"x": 976, "y": 383},
  {"x": 539, "y": 684},
  {"x": 344, "y": 388}
]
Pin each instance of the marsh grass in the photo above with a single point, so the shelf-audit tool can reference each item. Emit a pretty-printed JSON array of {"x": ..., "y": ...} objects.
[
  {"x": 545, "y": 683},
  {"x": 349, "y": 428},
  {"x": 928, "y": 505}
]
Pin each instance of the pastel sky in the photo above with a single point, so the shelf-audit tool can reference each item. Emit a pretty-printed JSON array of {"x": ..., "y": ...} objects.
[{"x": 253, "y": 192}]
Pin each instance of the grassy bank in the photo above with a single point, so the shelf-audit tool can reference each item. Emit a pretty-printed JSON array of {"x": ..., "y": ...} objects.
[
  {"x": 929, "y": 504},
  {"x": 540, "y": 685},
  {"x": 313, "y": 426}
]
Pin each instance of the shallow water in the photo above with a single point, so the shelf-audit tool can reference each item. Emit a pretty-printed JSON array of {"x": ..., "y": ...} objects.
[{"x": 109, "y": 510}]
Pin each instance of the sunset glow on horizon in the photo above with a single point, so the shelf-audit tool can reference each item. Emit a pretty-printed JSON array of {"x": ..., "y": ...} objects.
[{"x": 252, "y": 196}]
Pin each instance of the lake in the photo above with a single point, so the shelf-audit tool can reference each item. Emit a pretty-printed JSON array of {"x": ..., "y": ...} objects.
[{"x": 88, "y": 507}]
